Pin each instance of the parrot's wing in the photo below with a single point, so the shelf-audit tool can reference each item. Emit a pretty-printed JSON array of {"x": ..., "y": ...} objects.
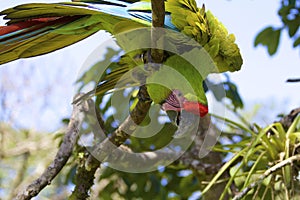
[
  {"x": 40, "y": 28},
  {"x": 118, "y": 75}
]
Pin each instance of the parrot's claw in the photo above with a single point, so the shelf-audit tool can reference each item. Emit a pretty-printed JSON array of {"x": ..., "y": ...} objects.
[{"x": 150, "y": 65}]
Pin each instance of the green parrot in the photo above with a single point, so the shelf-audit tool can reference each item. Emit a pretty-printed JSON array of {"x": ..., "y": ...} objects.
[{"x": 39, "y": 28}]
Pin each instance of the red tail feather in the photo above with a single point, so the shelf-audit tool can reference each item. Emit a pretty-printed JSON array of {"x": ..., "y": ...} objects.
[
  {"x": 25, "y": 24},
  {"x": 195, "y": 108},
  {"x": 32, "y": 22}
]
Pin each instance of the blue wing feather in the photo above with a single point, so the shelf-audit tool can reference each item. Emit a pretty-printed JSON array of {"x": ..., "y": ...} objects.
[{"x": 11, "y": 42}]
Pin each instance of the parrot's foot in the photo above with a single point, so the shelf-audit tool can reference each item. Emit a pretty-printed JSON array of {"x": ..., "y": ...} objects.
[{"x": 150, "y": 65}]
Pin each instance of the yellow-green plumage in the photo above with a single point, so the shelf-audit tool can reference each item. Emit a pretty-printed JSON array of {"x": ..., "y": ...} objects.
[
  {"x": 208, "y": 31},
  {"x": 182, "y": 15},
  {"x": 189, "y": 19},
  {"x": 179, "y": 73},
  {"x": 56, "y": 36},
  {"x": 222, "y": 47},
  {"x": 185, "y": 16}
]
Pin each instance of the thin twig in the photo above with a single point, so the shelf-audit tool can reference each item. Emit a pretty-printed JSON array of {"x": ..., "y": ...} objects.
[
  {"x": 293, "y": 80},
  {"x": 123, "y": 132},
  {"x": 62, "y": 156},
  {"x": 271, "y": 170},
  {"x": 287, "y": 120}
]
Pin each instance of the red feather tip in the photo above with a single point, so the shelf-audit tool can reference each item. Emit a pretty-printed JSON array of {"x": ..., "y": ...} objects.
[
  {"x": 40, "y": 22},
  {"x": 177, "y": 102},
  {"x": 24, "y": 24},
  {"x": 195, "y": 108}
]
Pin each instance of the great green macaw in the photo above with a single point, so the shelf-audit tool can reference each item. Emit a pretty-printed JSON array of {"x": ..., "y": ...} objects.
[{"x": 39, "y": 28}]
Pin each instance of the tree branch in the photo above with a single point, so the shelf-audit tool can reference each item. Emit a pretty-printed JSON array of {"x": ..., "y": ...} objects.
[
  {"x": 158, "y": 13},
  {"x": 140, "y": 111},
  {"x": 158, "y": 20},
  {"x": 271, "y": 170},
  {"x": 287, "y": 120},
  {"x": 120, "y": 135},
  {"x": 91, "y": 161},
  {"x": 293, "y": 80},
  {"x": 84, "y": 179},
  {"x": 62, "y": 156}
]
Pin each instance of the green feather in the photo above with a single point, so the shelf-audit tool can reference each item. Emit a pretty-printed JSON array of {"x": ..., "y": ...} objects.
[
  {"x": 39, "y": 10},
  {"x": 190, "y": 20},
  {"x": 208, "y": 32},
  {"x": 222, "y": 47},
  {"x": 185, "y": 73},
  {"x": 58, "y": 36}
]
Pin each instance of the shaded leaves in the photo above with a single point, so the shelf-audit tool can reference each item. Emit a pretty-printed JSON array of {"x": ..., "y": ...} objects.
[
  {"x": 269, "y": 37},
  {"x": 289, "y": 14}
]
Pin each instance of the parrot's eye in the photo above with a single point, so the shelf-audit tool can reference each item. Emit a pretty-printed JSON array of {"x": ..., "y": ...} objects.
[{"x": 179, "y": 94}]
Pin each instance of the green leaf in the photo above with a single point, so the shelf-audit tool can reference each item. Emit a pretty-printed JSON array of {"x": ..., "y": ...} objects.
[
  {"x": 253, "y": 170},
  {"x": 234, "y": 123},
  {"x": 292, "y": 2},
  {"x": 296, "y": 42},
  {"x": 231, "y": 91},
  {"x": 223, "y": 169},
  {"x": 284, "y": 11},
  {"x": 269, "y": 37},
  {"x": 236, "y": 172},
  {"x": 92, "y": 74},
  {"x": 233, "y": 94},
  {"x": 293, "y": 26},
  {"x": 293, "y": 127}
]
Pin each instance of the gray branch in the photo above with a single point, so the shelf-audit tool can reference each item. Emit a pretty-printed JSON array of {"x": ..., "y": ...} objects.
[
  {"x": 123, "y": 132},
  {"x": 62, "y": 156},
  {"x": 271, "y": 170}
]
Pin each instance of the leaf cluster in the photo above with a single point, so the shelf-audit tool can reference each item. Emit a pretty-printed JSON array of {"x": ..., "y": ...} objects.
[
  {"x": 289, "y": 14},
  {"x": 261, "y": 163}
]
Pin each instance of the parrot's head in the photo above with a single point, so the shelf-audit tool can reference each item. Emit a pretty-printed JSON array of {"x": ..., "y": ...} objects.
[{"x": 177, "y": 102}]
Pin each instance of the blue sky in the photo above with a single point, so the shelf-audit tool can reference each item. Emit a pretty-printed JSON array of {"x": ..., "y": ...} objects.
[
  {"x": 261, "y": 80},
  {"x": 261, "y": 76}
]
